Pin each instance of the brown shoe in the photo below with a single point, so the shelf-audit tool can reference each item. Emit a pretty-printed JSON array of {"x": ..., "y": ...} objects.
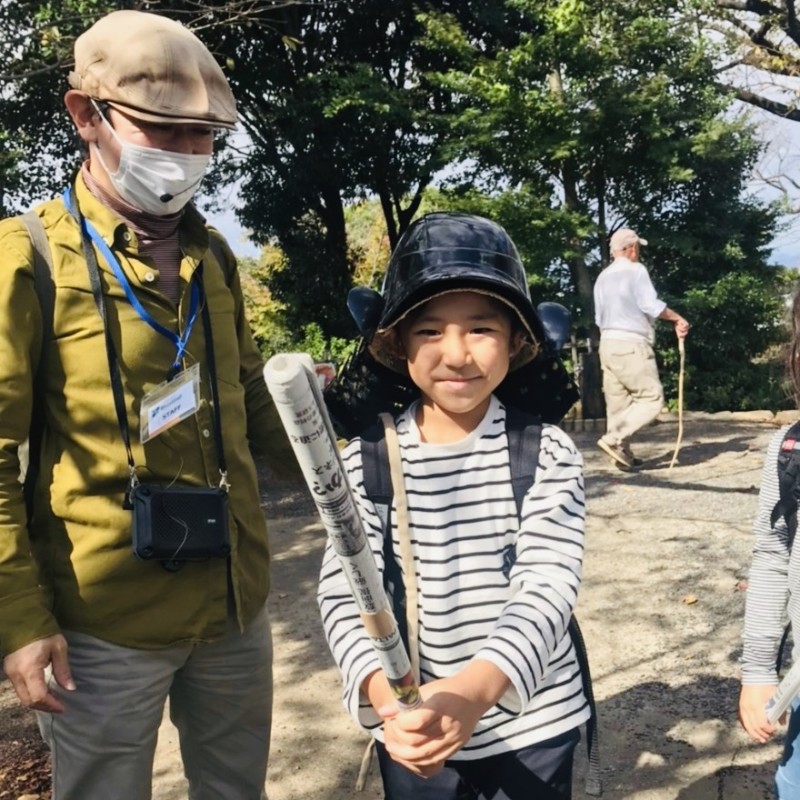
[{"x": 617, "y": 454}]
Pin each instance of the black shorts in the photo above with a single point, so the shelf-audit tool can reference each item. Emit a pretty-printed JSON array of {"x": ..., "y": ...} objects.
[{"x": 540, "y": 772}]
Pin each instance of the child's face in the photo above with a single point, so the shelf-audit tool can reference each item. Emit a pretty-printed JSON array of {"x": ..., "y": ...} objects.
[{"x": 458, "y": 347}]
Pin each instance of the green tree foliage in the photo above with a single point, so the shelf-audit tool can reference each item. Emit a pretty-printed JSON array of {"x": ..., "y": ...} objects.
[
  {"x": 37, "y": 146},
  {"x": 314, "y": 342},
  {"x": 264, "y": 313},
  {"x": 563, "y": 119},
  {"x": 607, "y": 114},
  {"x": 598, "y": 112},
  {"x": 341, "y": 109},
  {"x": 732, "y": 361}
]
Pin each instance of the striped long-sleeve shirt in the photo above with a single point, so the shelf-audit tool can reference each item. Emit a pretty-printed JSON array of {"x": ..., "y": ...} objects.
[
  {"x": 773, "y": 583},
  {"x": 463, "y": 522}
]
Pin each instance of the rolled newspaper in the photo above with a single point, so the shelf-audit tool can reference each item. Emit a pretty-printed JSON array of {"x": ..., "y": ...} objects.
[
  {"x": 787, "y": 691},
  {"x": 294, "y": 387}
]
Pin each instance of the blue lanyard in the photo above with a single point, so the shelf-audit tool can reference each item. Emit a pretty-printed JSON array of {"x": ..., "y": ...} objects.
[{"x": 181, "y": 342}]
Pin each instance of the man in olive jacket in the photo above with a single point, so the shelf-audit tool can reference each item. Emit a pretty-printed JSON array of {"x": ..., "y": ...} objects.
[{"x": 94, "y": 638}]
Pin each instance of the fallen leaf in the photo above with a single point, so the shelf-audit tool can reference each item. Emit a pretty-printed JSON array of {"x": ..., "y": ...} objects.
[{"x": 690, "y": 599}]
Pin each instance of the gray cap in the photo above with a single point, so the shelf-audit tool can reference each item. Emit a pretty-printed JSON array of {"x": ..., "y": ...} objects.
[{"x": 154, "y": 69}]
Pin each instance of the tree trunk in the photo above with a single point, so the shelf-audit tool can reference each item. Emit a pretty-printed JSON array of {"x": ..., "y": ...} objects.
[{"x": 592, "y": 401}]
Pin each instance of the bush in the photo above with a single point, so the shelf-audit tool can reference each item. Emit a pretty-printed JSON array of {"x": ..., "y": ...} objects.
[
  {"x": 732, "y": 362},
  {"x": 313, "y": 342}
]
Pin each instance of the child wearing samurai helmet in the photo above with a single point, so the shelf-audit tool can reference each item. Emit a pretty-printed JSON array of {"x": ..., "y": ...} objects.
[{"x": 495, "y": 584}]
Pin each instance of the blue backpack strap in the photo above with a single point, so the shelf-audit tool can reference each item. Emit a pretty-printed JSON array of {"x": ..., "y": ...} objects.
[{"x": 524, "y": 432}]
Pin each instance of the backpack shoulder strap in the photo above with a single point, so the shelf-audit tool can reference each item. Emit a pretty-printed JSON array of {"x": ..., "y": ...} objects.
[
  {"x": 378, "y": 487},
  {"x": 524, "y": 432},
  {"x": 226, "y": 263},
  {"x": 42, "y": 269},
  {"x": 46, "y": 292},
  {"x": 375, "y": 466},
  {"x": 788, "y": 481}
]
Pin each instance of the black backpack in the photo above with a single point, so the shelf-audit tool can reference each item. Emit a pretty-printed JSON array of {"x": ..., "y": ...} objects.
[
  {"x": 787, "y": 505},
  {"x": 524, "y": 435},
  {"x": 788, "y": 481}
]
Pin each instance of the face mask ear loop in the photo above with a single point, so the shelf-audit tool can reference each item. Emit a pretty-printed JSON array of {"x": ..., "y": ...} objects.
[{"x": 108, "y": 124}]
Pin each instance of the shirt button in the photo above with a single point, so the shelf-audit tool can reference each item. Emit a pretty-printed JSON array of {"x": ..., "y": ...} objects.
[
  {"x": 127, "y": 236},
  {"x": 149, "y": 277},
  {"x": 206, "y": 432}
]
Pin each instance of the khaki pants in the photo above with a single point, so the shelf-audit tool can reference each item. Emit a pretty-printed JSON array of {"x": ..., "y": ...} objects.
[
  {"x": 220, "y": 697},
  {"x": 633, "y": 392}
]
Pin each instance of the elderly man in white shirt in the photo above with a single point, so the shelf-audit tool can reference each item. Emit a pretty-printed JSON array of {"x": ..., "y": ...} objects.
[{"x": 626, "y": 305}]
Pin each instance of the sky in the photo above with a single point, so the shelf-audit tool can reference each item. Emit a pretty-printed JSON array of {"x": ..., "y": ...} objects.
[
  {"x": 230, "y": 228},
  {"x": 777, "y": 175}
]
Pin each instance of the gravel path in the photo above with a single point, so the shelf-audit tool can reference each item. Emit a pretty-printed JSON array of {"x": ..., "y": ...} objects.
[{"x": 661, "y": 607}]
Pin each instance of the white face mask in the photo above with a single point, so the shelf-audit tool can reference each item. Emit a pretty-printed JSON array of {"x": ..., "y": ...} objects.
[{"x": 158, "y": 182}]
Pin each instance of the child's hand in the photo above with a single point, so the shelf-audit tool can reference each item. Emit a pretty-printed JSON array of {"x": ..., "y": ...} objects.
[
  {"x": 425, "y": 737},
  {"x": 752, "y": 714}
]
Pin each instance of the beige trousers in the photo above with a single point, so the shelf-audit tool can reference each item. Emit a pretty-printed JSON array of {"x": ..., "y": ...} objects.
[
  {"x": 220, "y": 695},
  {"x": 633, "y": 391}
]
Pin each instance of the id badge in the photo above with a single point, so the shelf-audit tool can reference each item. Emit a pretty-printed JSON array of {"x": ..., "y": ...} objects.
[{"x": 170, "y": 403}]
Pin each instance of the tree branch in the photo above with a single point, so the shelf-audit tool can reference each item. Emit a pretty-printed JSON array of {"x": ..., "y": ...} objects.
[
  {"x": 200, "y": 15},
  {"x": 759, "y": 101},
  {"x": 774, "y": 17},
  {"x": 756, "y": 6}
]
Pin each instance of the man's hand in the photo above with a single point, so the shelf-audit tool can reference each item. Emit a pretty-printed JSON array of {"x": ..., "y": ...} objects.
[
  {"x": 752, "y": 711},
  {"x": 681, "y": 328},
  {"x": 25, "y": 669},
  {"x": 681, "y": 325}
]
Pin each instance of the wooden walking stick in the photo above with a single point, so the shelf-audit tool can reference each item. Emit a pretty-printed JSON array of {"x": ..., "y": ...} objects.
[{"x": 682, "y": 351}]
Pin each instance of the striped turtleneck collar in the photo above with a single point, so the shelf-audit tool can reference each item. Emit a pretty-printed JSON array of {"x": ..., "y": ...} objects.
[
  {"x": 157, "y": 236},
  {"x": 145, "y": 226}
]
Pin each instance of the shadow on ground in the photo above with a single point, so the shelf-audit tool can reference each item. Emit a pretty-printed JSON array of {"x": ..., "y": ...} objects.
[{"x": 676, "y": 743}]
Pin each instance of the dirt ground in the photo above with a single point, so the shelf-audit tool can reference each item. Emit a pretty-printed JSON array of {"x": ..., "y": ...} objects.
[{"x": 660, "y": 607}]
